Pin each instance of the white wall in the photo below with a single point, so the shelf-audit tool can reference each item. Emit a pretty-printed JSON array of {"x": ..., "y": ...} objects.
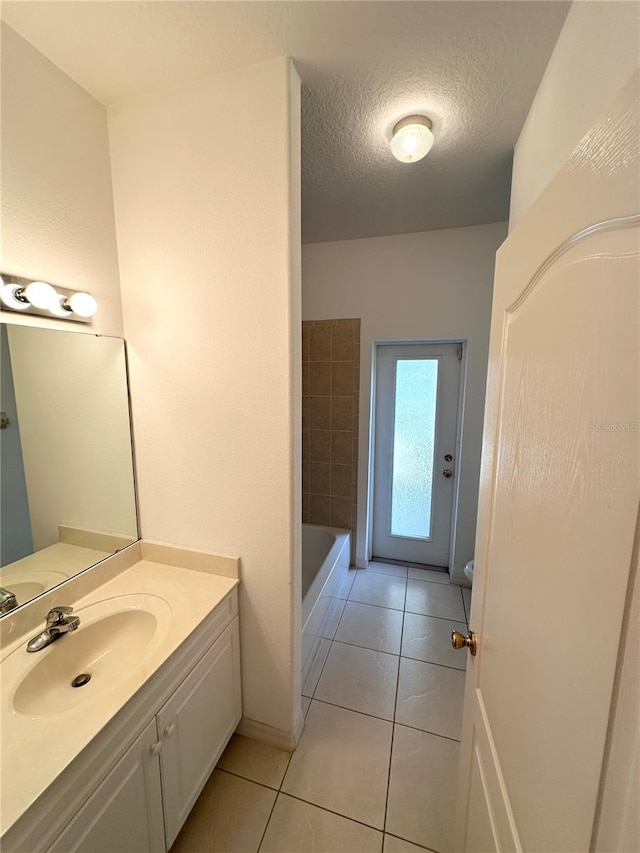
[
  {"x": 73, "y": 411},
  {"x": 206, "y": 188},
  {"x": 430, "y": 285},
  {"x": 57, "y": 206},
  {"x": 597, "y": 52}
]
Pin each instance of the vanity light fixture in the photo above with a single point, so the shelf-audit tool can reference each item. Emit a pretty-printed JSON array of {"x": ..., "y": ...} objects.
[
  {"x": 412, "y": 139},
  {"x": 38, "y": 297}
]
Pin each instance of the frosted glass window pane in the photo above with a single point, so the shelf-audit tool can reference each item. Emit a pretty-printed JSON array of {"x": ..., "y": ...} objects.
[{"x": 413, "y": 440}]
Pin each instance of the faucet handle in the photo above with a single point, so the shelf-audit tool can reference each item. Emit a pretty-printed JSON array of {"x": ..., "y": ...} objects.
[{"x": 57, "y": 614}]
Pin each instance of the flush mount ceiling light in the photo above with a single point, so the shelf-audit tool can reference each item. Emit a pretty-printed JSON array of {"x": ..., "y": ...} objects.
[
  {"x": 38, "y": 297},
  {"x": 412, "y": 139}
]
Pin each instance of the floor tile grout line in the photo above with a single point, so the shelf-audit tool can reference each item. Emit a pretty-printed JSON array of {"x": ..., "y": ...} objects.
[
  {"x": 382, "y": 720},
  {"x": 369, "y": 604},
  {"x": 464, "y": 607},
  {"x": 395, "y": 706},
  {"x": 368, "y": 648},
  {"x": 434, "y": 663},
  {"x": 358, "y": 646},
  {"x": 246, "y": 779},
  {"x": 344, "y": 607},
  {"x": 287, "y": 767},
  {"x": 279, "y": 790},
  {"x": 266, "y": 826},
  {"x": 430, "y": 616},
  {"x": 388, "y": 574},
  {"x": 427, "y": 732},
  {"x": 393, "y": 654},
  {"x": 331, "y": 811},
  {"x": 321, "y": 671},
  {"x": 415, "y": 844},
  {"x": 404, "y": 610}
]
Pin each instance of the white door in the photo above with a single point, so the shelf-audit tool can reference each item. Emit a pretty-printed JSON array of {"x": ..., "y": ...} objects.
[
  {"x": 416, "y": 415},
  {"x": 558, "y": 501}
]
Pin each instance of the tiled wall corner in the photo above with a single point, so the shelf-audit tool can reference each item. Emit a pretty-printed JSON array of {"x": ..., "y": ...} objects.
[{"x": 330, "y": 396}]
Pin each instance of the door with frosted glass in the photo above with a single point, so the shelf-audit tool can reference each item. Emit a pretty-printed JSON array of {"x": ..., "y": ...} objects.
[{"x": 416, "y": 413}]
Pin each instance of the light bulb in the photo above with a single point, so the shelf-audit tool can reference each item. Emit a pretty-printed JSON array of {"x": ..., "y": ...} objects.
[
  {"x": 412, "y": 139},
  {"x": 8, "y": 296},
  {"x": 409, "y": 144},
  {"x": 58, "y": 307},
  {"x": 41, "y": 295},
  {"x": 83, "y": 304}
]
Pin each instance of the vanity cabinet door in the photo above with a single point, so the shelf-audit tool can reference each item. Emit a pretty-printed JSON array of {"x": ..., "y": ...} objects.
[
  {"x": 196, "y": 724},
  {"x": 124, "y": 813}
]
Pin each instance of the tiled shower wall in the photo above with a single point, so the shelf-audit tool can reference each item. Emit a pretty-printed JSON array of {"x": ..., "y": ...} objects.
[{"x": 330, "y": 394}]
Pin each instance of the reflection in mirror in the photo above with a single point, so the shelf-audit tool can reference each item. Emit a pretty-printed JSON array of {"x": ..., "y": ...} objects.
[{"x": 67, "y": 496}]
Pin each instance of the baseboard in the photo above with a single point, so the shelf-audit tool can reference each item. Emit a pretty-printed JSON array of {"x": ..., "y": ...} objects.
[{"x": 268, "y": 734}]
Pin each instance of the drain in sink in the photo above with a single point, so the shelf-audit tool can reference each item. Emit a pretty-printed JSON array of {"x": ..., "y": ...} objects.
[{"x": 81, "y": 680}]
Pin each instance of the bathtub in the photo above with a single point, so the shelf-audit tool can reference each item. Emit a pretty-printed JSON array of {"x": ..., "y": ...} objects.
[{"x": 325, "y": 582}]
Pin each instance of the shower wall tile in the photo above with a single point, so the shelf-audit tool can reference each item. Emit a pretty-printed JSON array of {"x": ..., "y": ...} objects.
[
  {"x": 320, "y": 412},
  {"x": 342, "y": 417},
  {"x": 320, "y": 343},
  {"x": 341, "y": 447},
  {"x": 330, "y": 391}
]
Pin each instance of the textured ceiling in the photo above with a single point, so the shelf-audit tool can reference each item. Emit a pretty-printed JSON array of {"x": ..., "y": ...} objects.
[{"x": 472, "y": 67}]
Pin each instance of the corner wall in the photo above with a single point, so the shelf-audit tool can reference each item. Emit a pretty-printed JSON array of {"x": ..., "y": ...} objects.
[
  {"x": 57, "y": 204},
  {"x": 430, "y": 285},
  {"x": 207, "y": 199},
  {"x": 596, "y": 53}
]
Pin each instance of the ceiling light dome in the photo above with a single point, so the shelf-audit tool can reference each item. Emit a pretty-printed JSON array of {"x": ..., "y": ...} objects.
[{"x": 412, "y": 139}]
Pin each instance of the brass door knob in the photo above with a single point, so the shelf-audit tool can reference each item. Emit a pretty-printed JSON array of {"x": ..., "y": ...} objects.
[
  {"x": 459, "y": 641},
  {"x": 447, "y": 473}
]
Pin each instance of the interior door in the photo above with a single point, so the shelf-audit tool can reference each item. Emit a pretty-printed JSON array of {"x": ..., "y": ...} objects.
[
  {"x": 558, "y": 504},
  {"x": 416, "y": 415}
]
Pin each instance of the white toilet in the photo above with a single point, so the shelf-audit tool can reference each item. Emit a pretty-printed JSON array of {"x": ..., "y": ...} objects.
[{"x": 468, "y": 570}]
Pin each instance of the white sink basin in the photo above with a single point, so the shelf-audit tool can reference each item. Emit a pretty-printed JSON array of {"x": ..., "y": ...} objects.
[
  {"x": 26, "y": 585},
  {"x": 115, "y": 635}
]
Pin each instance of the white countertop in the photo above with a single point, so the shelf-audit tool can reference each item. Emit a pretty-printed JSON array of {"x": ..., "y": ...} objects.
[
  {"x": 36, "y": 749},
  {"x": 49, "y": 566}
]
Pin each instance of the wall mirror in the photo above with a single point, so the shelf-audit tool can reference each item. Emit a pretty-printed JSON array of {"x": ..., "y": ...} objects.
[{"x": 67, "y": 494}]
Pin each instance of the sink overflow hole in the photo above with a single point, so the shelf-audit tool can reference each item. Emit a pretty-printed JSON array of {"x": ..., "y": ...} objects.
[{"x": 81, "y": 680}]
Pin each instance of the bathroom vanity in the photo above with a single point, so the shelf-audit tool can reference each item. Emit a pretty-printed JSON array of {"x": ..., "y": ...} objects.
[
  {"x": 118, "y": 763},
  {"x": 109, "y": 732}
]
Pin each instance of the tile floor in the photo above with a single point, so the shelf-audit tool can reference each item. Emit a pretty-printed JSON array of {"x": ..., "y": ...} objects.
[{"x": 376, "y": 767}]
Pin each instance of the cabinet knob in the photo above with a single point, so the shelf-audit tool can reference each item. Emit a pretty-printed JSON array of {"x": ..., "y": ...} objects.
[
  {"x": 156, "y": 748},
  {"x": 170, "y": 730}
]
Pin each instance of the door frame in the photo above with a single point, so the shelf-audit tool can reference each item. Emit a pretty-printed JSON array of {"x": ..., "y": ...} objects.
[{"x": 377, "y": 344}]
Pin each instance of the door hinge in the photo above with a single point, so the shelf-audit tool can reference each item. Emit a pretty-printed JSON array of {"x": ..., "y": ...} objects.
[{"x": 459, "y": 353}]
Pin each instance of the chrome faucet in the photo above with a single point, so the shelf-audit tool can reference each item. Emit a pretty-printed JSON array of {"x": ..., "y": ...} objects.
[
  {"x": 7, "y": 600},
  {"x": 57, "y": 625}
]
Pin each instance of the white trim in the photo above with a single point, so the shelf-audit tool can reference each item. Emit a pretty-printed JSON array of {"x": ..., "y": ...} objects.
[{"x": 271, "y": 736}]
